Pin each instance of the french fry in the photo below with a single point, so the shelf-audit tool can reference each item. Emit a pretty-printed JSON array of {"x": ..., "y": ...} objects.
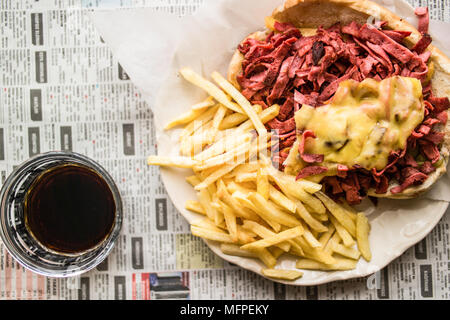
[
  {"x": 350, "y": 210},
  {"x": 294, "y": 189},
  {"x": 225, "y": 158},
  {"x": 362, "y": 236},
  {"x": 208, "y": 102},
  {"x": 194, "y": 144},
  {"x": 235, "y": 250},
  {"x": 308, "y": 218},
  {"x": 338, "y": 212},
  {"x": 273, "y": 224},
  {"x": 280, "y": 199},
  {"x": 317, "y": 254},
  {"x": 219, "y": 135},
  {"x": 246, "y": 167},
  {"x": 343, "y": 233},
  {"x": 230, "y": 220},
  {"x": 222, "y": 225},
  {"x": 312, "y": 241},
  {"x": 198, "y": 124},
  {"x": 291, "y": 163},
  {"x": 262, "y": 183},
  {"x": 221, "y": 171},
  {"x": 215, "y": 204},
  {"x": 314, "y": 233},
  {"x": 223, "y": 194},
  {"x": 275, "y": 239},
  {"x": 186, "y": 147},
  {"x": 265, "y": 116},
  {"x": 334, "y": 246},
  {"x": 247, "y": 186},
  {"x": 269, "y": 113},
  {"x": 282, "y": 274},
  {"x": 175, "y": 161},
  {"x": 308, "y": 199},
  {"x": 311, "y": 210},
  {"x": 218, "y": 214},
  {"x": 346, "y": 252},
  {"x": 206, "y": 223},
  {"x": 216, "y": 175},
  {"x": 195, "y": 206},
  {"x": 246, "y": 176},
  {"x": 247, "y": 231},
  {"x": 212, "y": 189},
  {"x": 322, "y": 217},
  {"x": 276, "y": 252},
  {"x": 232, "y": 187},
  {"x": 263, "y": 232},
  {"x": 340, "y": 264},
  {"x": 243, "y": 198},
  {"x": 236, "y": 119},
  {"x": 232, "y": 120},
  {"x": 190, "y": 115},
  {"x": 266, "y": 257},
  {"x": 217, "y": 120},
  {"x": 272, "y": 212},
  {"x": 211, "y": 235},
  {"x": 290, "y": 245},
  {"x": 242, "y": 101},
  {"x": 296, "y": 249},
  {"x": 203, "y": 173},
  {"x": 205, "y": 200},
  {"x": 193, "y": 180},
  {"x": 324, "y": 237},
  {"x": 320, "y": 255},
  {"x": 209, "y": 87},
  {"x": 184, "y": 118},
  {"x": 245, "y": 236},
  {"x": 328, "y": 248},
  {"x": 308, "y": 186},
  {"x": 229, "y": 142}
]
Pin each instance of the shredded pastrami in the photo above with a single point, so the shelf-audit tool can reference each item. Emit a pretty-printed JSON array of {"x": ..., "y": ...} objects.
[{"x": 290, "y": 69}]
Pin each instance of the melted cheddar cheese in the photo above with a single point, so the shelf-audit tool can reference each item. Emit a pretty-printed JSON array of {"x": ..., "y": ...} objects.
[{"x": 364, "y": 121}]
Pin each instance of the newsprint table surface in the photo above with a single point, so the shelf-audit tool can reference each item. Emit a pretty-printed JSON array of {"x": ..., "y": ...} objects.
[{"x": 84, "y": 101}]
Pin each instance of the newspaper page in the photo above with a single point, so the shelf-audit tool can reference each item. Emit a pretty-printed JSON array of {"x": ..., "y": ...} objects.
[{"x": 61, "y": 89}]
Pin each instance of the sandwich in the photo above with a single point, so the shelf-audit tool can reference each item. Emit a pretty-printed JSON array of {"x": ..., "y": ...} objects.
[{"x": 363, "y": 96}]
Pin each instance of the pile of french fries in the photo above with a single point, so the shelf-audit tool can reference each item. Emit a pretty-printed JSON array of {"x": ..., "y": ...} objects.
[{"x": 251, "y": 208}]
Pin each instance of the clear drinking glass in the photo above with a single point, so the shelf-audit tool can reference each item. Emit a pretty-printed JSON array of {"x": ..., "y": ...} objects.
[{"x": 23, "y": 246}]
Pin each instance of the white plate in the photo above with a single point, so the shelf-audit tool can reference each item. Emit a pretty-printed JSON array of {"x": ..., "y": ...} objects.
[{"x": 396, "y": 225}]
